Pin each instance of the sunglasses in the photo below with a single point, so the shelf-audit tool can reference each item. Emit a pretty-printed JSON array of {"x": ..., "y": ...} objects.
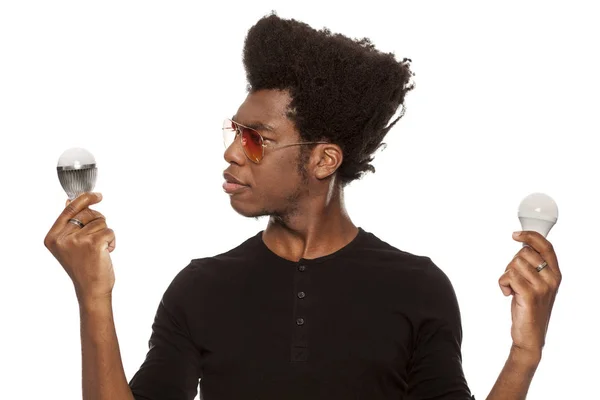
[{"x": 252, "y": 142}]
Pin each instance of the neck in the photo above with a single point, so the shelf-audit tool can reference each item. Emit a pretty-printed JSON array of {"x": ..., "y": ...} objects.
[{"x": 318, "y": 227}]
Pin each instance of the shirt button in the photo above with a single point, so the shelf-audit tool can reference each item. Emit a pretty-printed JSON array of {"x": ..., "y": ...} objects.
[
  {"x": 300, "y": 321},
  {"x": 301, "y": 268},
  {"x": 301, "y": 295}
]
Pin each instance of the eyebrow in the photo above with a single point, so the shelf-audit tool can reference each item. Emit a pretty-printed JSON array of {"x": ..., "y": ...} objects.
[{"x": 259, "y": 126}]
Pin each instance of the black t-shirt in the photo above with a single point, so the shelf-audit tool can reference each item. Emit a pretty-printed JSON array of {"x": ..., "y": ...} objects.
[{"x": 367, "y": 322}]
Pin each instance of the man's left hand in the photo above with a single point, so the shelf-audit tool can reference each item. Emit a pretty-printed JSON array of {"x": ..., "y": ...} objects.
[{"x": 533, "y": 292}]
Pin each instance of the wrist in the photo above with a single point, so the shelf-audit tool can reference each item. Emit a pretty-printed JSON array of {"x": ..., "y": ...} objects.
[
  {"x": 526, "y": 357},
  {"x": 92, "y": 304}
]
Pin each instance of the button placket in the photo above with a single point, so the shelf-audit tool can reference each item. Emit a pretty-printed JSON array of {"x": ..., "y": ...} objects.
[{"x": 299, "y": 348}]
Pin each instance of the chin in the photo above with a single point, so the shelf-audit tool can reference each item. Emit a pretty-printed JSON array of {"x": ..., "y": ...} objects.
[{"x": 248, "y": 210}]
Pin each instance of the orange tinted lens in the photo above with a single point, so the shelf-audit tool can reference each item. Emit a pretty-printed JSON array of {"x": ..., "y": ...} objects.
[{"x": 252, "y": 143}]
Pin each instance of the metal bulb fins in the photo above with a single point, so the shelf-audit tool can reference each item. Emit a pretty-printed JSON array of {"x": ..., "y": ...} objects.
[{"x": 77, "y": 181}]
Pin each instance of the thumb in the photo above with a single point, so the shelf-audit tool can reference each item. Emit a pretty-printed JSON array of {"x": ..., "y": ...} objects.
[
  {"x": 98, "y": 196},
  {"x": 79, "y": 203}
]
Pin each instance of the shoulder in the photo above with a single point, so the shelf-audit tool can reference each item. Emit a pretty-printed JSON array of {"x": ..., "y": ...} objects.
[
  {"x": 420, "y": 286},
  {"x": 387, "y": 255},
  {"x": 205, "y": 273},
  {"x": 221, "y": 263},
  {"x": 413, "y": 278}
]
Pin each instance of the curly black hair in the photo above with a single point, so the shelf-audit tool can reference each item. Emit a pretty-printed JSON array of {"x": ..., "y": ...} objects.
[{"x": 343, "y": 90}]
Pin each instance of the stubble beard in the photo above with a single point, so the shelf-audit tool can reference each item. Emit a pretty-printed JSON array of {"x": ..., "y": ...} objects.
[{"x": 292, "y": 200}]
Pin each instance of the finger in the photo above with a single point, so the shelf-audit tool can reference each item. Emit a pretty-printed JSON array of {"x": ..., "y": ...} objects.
[
  {"x": 72, "y": 209},
  {"x": 534, "y": 259},
  {"x": 530, "y": 255},
  {"x": 112, "y": 245},
  {"x": 513, "y": 282},
  {"x": 527, "y": 271},
  {"x": 93, "y": 226},
  {"x": 86, "y": 216},
  {"x": 106, "y": 239},
  {"x": 506, "y": 289},
  {"x": 540, "y": 244}
]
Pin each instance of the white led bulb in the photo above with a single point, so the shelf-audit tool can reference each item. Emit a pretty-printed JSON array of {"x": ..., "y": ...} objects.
[
  {"x": 77, "y": 171},
  {"x": 538, "y": 212}
]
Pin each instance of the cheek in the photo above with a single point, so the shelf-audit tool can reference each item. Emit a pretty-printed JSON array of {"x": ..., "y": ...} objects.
[
  {"x": 279, "y": 176},
  {"x": 274, "y": 184}
]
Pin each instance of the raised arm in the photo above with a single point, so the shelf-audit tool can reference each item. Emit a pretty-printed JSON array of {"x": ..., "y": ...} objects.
[
  {"x": 532, "y": 277},
  {"x": 81, "y": 242},
  {"x": 171, "y": 369}
]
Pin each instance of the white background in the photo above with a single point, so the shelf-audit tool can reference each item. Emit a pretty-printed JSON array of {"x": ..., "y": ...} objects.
[{"x": 505, "y": 105}]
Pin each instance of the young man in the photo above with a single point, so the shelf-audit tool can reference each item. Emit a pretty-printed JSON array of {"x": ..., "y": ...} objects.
[{"x": 313, "y": 307}]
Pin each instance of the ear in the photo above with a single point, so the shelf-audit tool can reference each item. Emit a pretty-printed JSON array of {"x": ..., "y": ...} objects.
[{"x": 329, "y": 159}]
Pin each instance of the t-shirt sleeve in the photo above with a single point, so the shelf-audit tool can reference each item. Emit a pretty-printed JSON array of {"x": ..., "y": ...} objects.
[
  {"x": 171, "y": 370},
  {"x": 435, "y": 369}
]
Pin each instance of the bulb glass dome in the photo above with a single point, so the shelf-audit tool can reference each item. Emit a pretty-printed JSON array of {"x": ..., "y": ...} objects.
[
  {"x": 76, "y": 158},
  {"x": 538, "y": 212},
  {"x": 539, "y": 206}
]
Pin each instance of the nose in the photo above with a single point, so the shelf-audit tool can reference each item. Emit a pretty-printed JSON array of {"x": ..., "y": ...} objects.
[{"x": 234, "y": 153}]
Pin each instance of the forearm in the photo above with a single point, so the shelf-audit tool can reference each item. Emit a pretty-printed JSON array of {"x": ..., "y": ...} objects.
[
  {"x": 515, "y": 378},
  {"x": 103, "y": 374}
]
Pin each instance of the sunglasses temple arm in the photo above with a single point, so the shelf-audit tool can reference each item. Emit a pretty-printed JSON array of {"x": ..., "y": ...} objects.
[{"x": 297, "y": 144}]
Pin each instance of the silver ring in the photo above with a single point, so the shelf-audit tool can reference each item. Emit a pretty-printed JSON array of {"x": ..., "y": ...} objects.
[
  {"x": 541, "y": 266},
  {"x": 75, "y": 221}
]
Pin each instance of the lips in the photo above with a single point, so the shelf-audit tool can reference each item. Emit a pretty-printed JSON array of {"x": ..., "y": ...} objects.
[
  {"x": 232, "y": 179},
  {"x": 232, "y": 184}
]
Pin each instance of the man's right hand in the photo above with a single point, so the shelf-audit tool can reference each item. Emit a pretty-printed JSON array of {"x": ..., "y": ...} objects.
[{"x": 84, "y": 252}]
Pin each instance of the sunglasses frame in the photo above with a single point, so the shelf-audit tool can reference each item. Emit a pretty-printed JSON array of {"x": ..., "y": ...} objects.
[{"x": 238, "y": 132}]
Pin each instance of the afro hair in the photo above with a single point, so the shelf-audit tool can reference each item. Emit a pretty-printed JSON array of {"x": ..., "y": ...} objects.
[{"x": 343, "y": 90}]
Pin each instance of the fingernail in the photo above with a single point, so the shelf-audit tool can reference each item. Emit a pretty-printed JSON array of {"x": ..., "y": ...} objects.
[{"x": 517, "y": 234}]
